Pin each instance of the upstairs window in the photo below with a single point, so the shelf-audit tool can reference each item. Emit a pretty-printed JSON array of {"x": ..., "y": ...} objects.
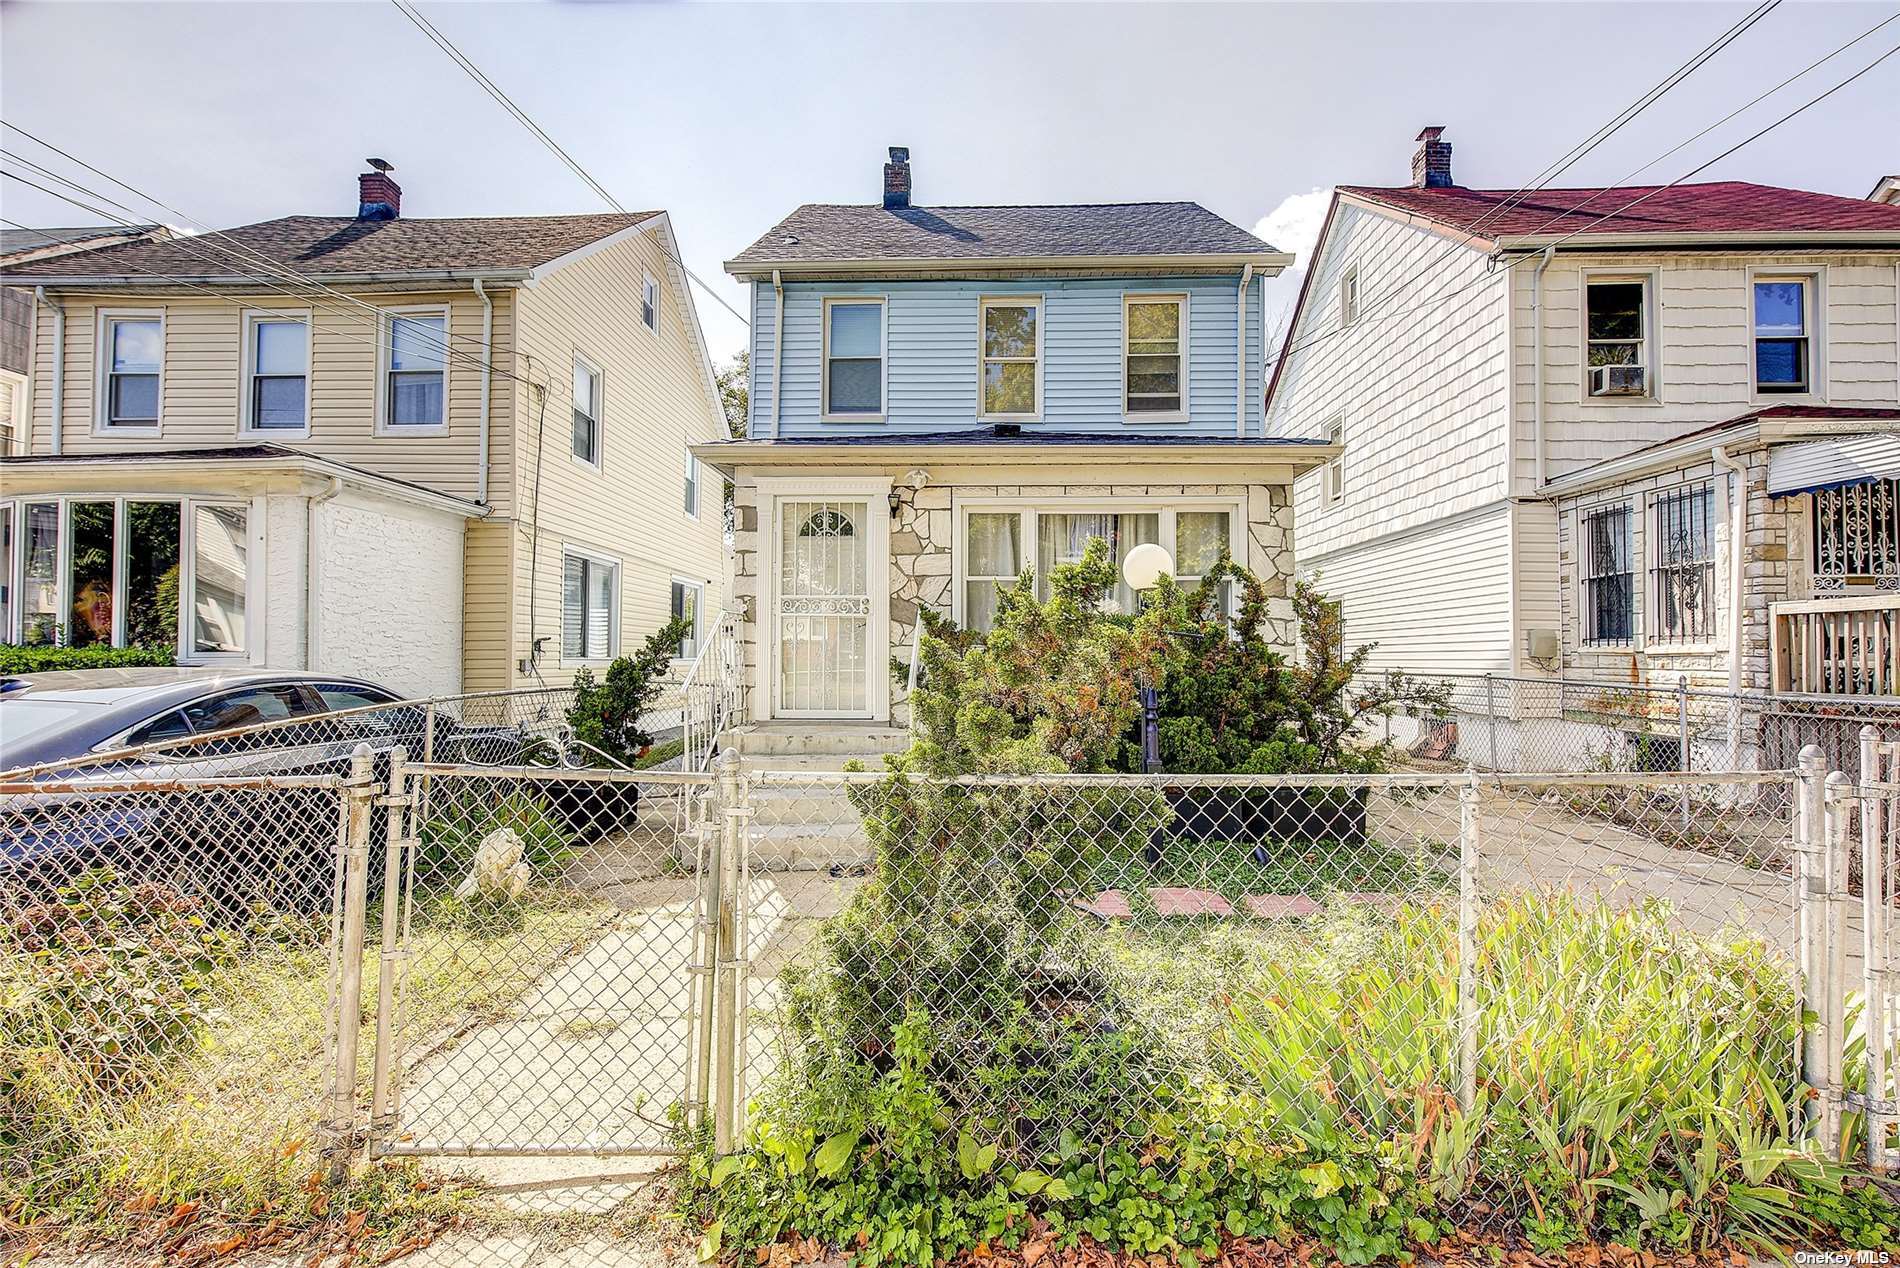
[
  {"x": 590, "y": 590},
  {"x": 586, "y": 440},
  {"x": 418, "y": 348},
  {"x": 690, "y": 502},
  {"x": 1349, "y": 297},
  {"x": 1682, "y": 566},
  {"x": 854, "y": 358},
  {"x": 1616, "y": 330},
  {"x": 650, "y": 303},
  {"x": 1012, "y": 352},
  {"x": 1336, "y": 465},
  {"x": 1154, "y": 366},
  {"x": 1609, "y": 577},
  {"x": 1783, "y": 324},
  {"x": 133, "y": 353},
  {"x": 278, "y": 355}
]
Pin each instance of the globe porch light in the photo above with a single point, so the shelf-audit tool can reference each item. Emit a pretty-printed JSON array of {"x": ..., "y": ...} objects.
[{"x": 1145, "y": 564}]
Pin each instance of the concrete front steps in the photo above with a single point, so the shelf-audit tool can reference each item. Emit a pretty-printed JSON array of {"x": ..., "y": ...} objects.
[{"x": 809, "y": 825}]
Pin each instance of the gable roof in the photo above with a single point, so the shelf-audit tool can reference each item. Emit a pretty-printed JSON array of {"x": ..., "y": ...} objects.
[
  {"x": 1718, "y": 207},
  {"x": 343, "y": 246},
  {"x": 820, "y": 234},
  {"x": 17, "y": 242}
]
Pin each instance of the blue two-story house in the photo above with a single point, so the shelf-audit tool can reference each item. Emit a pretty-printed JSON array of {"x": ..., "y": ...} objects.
[{"x": 943, "y": 397}]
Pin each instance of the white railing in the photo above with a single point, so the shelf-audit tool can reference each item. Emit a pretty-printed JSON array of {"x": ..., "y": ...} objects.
[
  {"x": 1845, "y": 646},
  {"x": 711, "y": 694}
]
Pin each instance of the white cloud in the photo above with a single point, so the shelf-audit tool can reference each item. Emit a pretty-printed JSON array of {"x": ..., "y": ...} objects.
[{"x": 1292, "y": 227}]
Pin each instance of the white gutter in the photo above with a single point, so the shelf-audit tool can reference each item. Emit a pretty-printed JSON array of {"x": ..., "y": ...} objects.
[
  {"x": 1737, "y": 557},
  {"x": 1240, "y": 354},
  {"x": 1537, "y": 363},
  {"x": 488, "y": 360},
  {"x": 778, "y": 345},
  {"x": 59, "y": 371},
  {"x": 312, "y": 624}
]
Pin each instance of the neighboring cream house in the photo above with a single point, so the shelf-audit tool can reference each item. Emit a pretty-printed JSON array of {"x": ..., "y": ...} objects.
[
  {"x": 1561, "y": 412},
  {"x": 443, "y": 454}
]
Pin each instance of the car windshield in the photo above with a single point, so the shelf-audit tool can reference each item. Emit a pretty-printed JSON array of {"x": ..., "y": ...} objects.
[{"x": 23, "y": 719}]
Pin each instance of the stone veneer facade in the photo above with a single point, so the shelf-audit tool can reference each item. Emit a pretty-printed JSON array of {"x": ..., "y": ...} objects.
[{"x": 923, "y": 571}]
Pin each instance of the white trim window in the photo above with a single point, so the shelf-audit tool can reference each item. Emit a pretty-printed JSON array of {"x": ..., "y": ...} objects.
[
  {"x": 1616, "y": 331},
  {"x": 1009, "y": 383},
  {"x": 650, "y": 303},
  {"x": 1334, "y": 478},
  {"x": 414, "y": 381},
  {"x": 687, "y": 600},
  {"x": 1155, "y": 357},
  {"x": 276, "y": 374},
  {"x": 1609, "y": 576},
  {"x": 689, "y": 501},
  {"x": 7, "y": 589},
  {"x": 1781, "y": 312},
  {"x": 590, "y": 607},
  {"x": 131, "y": 362},
  {"x": 1349, "y": 296},
  {"x": 854, "y": 361},
  {"x": 586, "y": 440},
  {"x": 1681, "y": 550}
]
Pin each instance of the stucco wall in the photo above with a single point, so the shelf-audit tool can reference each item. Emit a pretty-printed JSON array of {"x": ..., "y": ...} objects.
[
  {"x": 286, "y": 554},
  {"x": 388, "y": 594}
]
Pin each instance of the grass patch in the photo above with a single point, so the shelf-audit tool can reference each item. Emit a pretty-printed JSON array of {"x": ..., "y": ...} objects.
[{"x": 1315, "y": 869}]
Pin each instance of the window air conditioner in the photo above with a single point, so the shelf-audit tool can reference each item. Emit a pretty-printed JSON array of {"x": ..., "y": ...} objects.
[{"x": 1617, "y": 380}]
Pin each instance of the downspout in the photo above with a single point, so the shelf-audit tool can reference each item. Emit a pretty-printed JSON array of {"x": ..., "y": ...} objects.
[
  {"x": 1537, "y": 364},
  {"x": 1240, "y": 354},
  {"x": 778, "y": 345},
  {"x": 59, "y": 371},
  {"x": 311, "y": 622},
  {"x": 1737, "y": 574},
  {"x": 488, "y": 359}
]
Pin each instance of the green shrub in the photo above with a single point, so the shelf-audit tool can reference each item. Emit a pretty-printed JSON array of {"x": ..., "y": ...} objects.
[
  {"x": 606, "y": 715},
  {"x": 45, "y": 658}
]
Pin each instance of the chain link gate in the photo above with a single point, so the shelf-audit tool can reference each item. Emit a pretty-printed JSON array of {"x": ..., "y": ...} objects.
[{"x": 574, "y": 914}]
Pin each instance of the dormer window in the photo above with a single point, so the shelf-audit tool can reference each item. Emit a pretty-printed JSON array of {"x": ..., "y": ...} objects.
[
  {"x": 1012, "y": 358},
  {"x": 1616, "y": 331}
]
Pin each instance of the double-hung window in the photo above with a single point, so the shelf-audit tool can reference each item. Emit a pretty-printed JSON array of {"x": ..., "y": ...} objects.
[
  {"x": 277, "y": 362},
  {"x": 1335, "y": 477},
  {"x": 586, "y": 413},
  {"x": 1349, "y": 296},
  {"x": 690, "y": 500},
  {"x": 1682, "y": 565},
  {"x": 1616, "y": 335},
  {"x": 1609, "y": 577},
  {"x": 590, "y": 593},
  {"x": 417, "y": 350},
  {"x": 854, "y": 358},
  {"x": 650, "y": 303},
  {"x": 684, "y": 606},
  {"x": 1012, "y": 358},
  {"x": 132, "y": 352},
  {"x": 1783, "y": 320},
  {"x": 1154, "y": 356}
]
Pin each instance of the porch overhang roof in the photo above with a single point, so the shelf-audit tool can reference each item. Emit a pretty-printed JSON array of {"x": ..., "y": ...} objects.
[
  {"x": 1811, "y": 466},
  {"x": 982, "y": 448},
  {"x": 182, "y": 470}
]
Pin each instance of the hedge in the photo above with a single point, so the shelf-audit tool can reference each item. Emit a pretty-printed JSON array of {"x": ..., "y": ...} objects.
[{"x": 15, "y": 659}]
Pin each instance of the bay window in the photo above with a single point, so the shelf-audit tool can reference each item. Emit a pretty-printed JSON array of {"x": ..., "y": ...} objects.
[
  {"x": 1154, "y": 356},
  {"x": 1012, "y": 358},
  {"x": 131, "y": 357},
  {"x": 1000, "y": 542},
  {"x": 114, "y": 572}
]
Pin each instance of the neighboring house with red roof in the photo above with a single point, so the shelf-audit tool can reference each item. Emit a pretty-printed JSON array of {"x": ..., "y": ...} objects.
[
  {"x": 444, "y": 454},
  {"x": 1560, "y": 409}
]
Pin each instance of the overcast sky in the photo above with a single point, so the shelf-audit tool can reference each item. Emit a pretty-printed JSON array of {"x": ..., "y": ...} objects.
[{"x": 731, "y": 115}]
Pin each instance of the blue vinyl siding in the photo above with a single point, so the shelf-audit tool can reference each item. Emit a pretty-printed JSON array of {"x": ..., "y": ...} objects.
[{"x": 932, "y": 354}]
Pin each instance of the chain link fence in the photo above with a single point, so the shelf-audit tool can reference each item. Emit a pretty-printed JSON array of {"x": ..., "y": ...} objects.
[{"x": 1503, "y": 723}]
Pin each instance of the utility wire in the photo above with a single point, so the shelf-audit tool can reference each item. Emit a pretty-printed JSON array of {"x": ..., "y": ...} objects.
[{"x": 540, "y": 134}]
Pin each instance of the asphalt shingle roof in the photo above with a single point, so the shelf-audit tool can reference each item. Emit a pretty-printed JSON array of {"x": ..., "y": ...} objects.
[
  {"x": 16, "y": 241},
  {"x": 320, "y": 245},
  {"x": 1717, "y": 207},
  {"x": 821, "y": 232}
]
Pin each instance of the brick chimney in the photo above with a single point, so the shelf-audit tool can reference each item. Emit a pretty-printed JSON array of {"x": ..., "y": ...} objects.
[
  {"x": 897, "y": 178},
  {"x": 378, "y": 196},
  {"x": 1431, "y": 165}
]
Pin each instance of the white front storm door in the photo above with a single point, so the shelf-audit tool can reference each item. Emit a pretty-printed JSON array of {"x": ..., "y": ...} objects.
[{"x": 830, "y": 579}]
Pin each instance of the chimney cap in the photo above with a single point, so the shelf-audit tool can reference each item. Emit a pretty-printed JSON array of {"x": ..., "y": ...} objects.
[
  {"x": 1430, "y": 132},
  {"x": 900, "y": 154},
  {"x": 381, "y": 165}
]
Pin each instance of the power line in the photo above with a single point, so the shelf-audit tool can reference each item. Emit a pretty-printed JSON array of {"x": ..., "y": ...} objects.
[{"x": 489, "y": 86}]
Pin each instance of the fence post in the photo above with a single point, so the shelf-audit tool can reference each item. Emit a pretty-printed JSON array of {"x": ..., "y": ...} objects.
[
  {"x": 382, "y": 1105},
  {"x": 1809, "y": 830},
  {"x": 1874, "y": 918},
  {"x": 1682, "y": 743},
  {"x": 1491, "y": 723},
  {"x": 725, "y": 950},
  {"x": 1834, "y": 920},
  {"x": 1470, "y": 850},
  {"x": 360, "y": 791}
]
